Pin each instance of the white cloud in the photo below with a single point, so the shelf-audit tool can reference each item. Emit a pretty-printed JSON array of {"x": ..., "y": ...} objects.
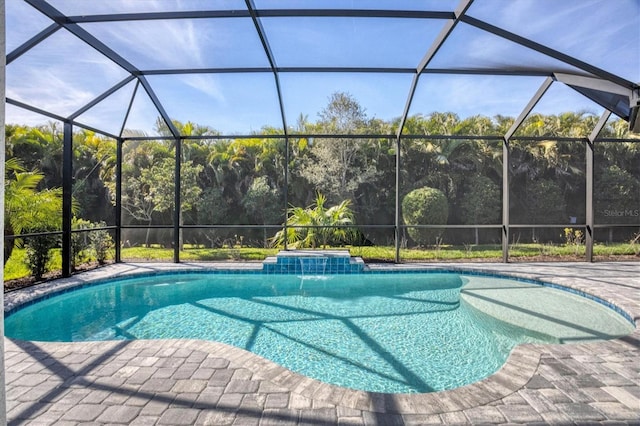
[
  {"x": 473, "y": 95},
  {"x": 44, "y": 89},
  {"x": 205, "y": 83},
  {"x": 148, "y": 44}
]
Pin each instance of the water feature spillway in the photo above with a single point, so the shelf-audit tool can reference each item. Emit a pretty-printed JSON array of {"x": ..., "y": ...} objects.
[{"x": 313, "y": 262}]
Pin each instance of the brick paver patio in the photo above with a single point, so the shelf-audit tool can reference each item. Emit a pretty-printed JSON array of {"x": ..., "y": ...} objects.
[{"x": 191, "y": 382}]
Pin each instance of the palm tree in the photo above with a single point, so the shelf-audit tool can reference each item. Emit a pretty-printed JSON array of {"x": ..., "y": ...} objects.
[
  {"x": 14, "y": 135},
  {"x": 316, "y": 224},
  {"x": 26, "y": 209}
]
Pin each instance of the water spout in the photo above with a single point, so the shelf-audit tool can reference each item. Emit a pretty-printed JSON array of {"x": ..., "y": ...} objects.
[{"x": 312, "y": 265}]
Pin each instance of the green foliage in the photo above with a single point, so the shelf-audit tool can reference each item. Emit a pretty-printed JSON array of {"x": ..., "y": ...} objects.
[
  {"x": 481, "y": 203},
  {"x": 567, "y": 124},
  {"x": 574, "y": 238},
  {"x": 16, "y": 267},
  {"x": 263, "y": 204},
  {"x": 38, "y": 148},
  {"x": 158, "y": 180},
  {"x": 38, "y": 250},
  {"x": 616, "y": 196},
  {"x": 317, "y": 225},
  {"x": 80, "y": 243},
  {"x": 343, "y": 114},
  {"x": 198, "y": 253},
  {"x": 27, "y": 210},
  {"x": 340, "y": 166},
  {"x": 545, "y": 203},
  {"x": 425, "y": 206},
  {"x": 94, "y": 166},
  {"x": 138, "y": 158},
  {"x": 101, "y": 243},
  {"x": 213, "y": 207},
  {"x": 90, "y": 243},
  {"x": 240, "y": 181}
]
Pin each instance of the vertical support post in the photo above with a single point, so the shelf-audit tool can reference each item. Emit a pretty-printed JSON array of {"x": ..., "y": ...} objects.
[
  {"x": 118, "y": 207},
  {"x": 589, "y": 203},
  {"x": 397, "y": 218},
  {"x": 286, "y": 186},
  {"x": 3, "y": 47},
  {"x": 505, "y": 200},
  {"x": 177, "y": 212},
  {"x": 589, "y": 216},
  {"x": 67, "y": 189}
]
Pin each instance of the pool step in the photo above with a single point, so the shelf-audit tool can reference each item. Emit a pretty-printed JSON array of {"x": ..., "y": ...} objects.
[{"x": 313, "y": 262}]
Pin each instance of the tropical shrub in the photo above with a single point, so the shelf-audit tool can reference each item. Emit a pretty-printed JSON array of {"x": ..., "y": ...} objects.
[
  {"x": 38, "y": 251},
  {"x": 317, "y": 225},
  {"x": 27, "y": 210},
  {"x": 616, "y": 194},
  {"x": 101, "y": 242},
  {"x": 425, "y": 206},
  {"x": 262, "y": 204},
  {"x": 481, "y": 203},
  {"x": 545, "y": 203},
  {"x": 80, "y": 243}
]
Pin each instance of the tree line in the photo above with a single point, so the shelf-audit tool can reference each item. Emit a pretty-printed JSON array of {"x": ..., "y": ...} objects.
[{"x": 242, "y": 181}]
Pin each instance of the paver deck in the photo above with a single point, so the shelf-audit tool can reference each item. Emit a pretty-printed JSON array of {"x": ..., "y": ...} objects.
[{"x": 192, "y": 382}]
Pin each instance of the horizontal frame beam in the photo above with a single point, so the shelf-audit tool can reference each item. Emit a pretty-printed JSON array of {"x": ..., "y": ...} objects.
[
  {"x": 262, "y": 13},
  {"x": 519, "y": 72},
  {"x": 480, "y": 226}
]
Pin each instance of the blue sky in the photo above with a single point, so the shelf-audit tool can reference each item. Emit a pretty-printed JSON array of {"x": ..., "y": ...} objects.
[{"x": 62, "y": 75}]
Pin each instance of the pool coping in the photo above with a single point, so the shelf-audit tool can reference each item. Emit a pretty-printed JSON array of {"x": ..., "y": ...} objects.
[{"x": 517, "y": 371}]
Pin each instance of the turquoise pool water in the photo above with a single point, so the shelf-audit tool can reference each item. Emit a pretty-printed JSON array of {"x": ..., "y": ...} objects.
[{"x": 395, "y": 333}]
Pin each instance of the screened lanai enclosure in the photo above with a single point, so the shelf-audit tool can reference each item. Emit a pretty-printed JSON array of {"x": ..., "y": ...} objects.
[{"x": 402, "y": 130}]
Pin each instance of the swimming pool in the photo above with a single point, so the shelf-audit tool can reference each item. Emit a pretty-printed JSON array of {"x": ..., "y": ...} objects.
[{"x": 395, "y": 332}]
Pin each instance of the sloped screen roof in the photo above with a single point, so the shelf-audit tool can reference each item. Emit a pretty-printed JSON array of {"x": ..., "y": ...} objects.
[{"x": 241, "y": 66}]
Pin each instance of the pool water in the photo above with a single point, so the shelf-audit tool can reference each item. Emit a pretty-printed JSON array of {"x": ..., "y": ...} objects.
[{"x": 393, "y": 333}]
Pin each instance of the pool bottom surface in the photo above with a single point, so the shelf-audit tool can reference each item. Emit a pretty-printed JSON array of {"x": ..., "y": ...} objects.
[{"x": 392, "y": 333}]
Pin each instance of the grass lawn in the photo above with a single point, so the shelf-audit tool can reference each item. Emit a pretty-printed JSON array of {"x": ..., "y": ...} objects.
[{"x": 16, "y": 266}]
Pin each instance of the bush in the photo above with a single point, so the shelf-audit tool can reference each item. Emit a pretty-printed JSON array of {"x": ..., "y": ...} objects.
[
  {"x": 481, "y": 203},
  {"x": 545, "y": 203},
  {"x": 615, "y": 196},
  {"x": 80, "y": 243},
  {"x": 101, "y": 242},
  {"x": 425, "y": 206},
  {"x": 98, "y": 240},
  {"x": 38, "y": 251}
]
